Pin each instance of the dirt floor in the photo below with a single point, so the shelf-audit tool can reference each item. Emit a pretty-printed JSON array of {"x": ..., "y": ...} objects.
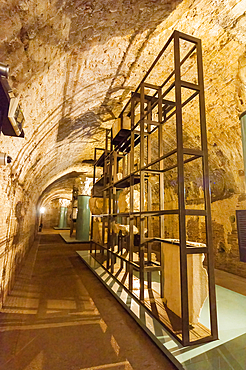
[{"x": 60, "y": 317}]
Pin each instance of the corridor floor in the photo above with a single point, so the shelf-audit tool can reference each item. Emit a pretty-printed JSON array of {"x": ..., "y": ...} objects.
[{"x": 59, "y": 316}]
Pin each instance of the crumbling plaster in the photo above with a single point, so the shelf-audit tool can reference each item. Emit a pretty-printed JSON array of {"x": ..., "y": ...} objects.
[{"x": 74, "y": 63}]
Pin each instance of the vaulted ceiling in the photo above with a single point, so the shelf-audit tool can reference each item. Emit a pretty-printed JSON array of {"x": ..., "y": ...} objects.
[{"x": 74, "y": 63}]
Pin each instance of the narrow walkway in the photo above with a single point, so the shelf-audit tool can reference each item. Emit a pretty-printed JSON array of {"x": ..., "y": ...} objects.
[
  {"x": 60, "y": 317},
  {"x": 229, "y": 281}
]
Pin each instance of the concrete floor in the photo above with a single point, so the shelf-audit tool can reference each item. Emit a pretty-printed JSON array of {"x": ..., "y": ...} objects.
[{"x": 60, "y": 317}]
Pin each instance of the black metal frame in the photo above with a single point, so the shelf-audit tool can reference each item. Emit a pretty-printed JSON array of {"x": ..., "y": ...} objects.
[{"x": 139, "y": 135}]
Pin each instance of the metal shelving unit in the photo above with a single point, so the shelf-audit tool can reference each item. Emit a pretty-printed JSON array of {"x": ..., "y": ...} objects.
[{"x": 136, "y": 159}]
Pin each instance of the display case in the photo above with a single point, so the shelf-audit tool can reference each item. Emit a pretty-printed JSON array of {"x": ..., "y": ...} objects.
[{"x": 139, "y": 220}]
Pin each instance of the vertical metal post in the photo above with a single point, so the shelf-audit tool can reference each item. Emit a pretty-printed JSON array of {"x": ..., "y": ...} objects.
[
  {"x": 161, "y": 187},
  {"x": 142, "y": 193},
  {"x": 114, "y": 210},
  {"x": 105, "y": 210},
  {"x": 109, "y": 216},
  {"x": 149, "y": 195},
  {"x": 243, "y": 136},
  {"x": 124, "y": 167},
  {"x": 94, "y": 180},
  {"x": 182, "y": 226},
  {"x": 243, "y": 133},
  {"x": 206, "y": 185},
  {"x": 130, "y": 266}
]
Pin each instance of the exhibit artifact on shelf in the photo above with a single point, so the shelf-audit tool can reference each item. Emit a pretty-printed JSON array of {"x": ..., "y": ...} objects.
[{"x": 140, "y": 201}]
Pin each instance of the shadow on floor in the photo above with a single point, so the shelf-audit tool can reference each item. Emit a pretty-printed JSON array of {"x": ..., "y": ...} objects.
[{"x": 59, "y": 316}]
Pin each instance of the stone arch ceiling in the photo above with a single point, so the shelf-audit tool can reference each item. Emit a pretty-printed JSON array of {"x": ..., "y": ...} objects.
[
  {"x": 60, "y": 188},
  {"x": 74, "y": 63}
]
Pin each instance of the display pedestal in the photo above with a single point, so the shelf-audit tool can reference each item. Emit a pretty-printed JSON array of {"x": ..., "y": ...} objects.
[
  {"x": 63, "y": 218},
  {"x": 61, "y": 228},
  {"x": 83, "y": 218},
  {"x": 72, "y": 239},
  {"x": 224, "y": 354}
]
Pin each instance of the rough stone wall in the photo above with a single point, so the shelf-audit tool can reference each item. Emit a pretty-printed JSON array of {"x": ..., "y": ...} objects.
[
  {"x": 50, "y": 199},
  {"x": 50, "y": 218},
  {"x": 17, "y": 227},
  {"x": 74, "y": 63}
]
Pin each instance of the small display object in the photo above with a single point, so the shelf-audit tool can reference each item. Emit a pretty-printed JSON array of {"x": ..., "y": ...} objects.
[
  {"x": 241, "y": 221},
  {"x": 16, "y": 116},
  {"x": 120, "y": 124},
  {"x": 11, "y": 115}
]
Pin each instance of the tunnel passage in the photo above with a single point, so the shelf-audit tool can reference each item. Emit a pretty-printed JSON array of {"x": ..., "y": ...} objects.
[{"x": 73, "y": 64}]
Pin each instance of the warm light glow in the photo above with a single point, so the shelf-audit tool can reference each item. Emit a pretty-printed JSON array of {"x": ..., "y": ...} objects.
[
  {"x": 103, "y": 325},
  {"x": 115, "y": 345},
  {"x": 136, "y": 284},
  {"x": 42, "y": 210},
  {"x": 112, "y": 366},
  {"x": 64, "y": 202},
  {"x": 87, "y": 186}
]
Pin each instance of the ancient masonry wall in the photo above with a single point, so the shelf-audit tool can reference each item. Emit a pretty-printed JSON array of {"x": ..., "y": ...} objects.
[
  {"x": 50, "y": 218},
  {"x": 17, "y": 229}
]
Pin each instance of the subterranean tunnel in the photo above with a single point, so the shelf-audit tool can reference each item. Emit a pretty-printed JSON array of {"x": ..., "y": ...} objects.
[{"x": 68, "y": 68}]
